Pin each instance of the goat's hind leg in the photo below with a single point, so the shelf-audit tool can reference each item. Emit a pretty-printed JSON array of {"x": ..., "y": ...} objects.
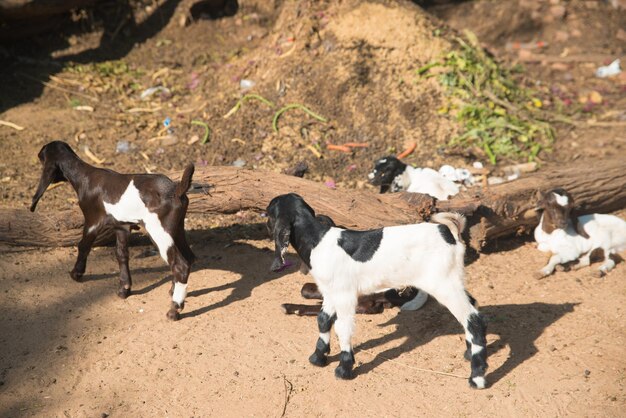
[
  {"x": 460, "y": 305},
  {"x": 84, "y": 247},
  {"x": 325, "y": 320},
  {"x": 121, "y": 253}
]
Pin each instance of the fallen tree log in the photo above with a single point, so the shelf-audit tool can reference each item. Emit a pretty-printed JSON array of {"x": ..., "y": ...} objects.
[{"x": 493, "y": 212}]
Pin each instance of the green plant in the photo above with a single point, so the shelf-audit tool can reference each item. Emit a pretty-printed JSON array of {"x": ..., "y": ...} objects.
[{"x": 496, "y": 114}]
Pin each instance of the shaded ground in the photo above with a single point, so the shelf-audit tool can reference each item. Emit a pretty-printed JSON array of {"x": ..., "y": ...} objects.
[{"x": 556, "y": 345}]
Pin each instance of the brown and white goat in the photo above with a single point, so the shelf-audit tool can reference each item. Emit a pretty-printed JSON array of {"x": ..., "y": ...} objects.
[
  {"x": 568, "y": 237},
  {"x": 121, "y": 201}
]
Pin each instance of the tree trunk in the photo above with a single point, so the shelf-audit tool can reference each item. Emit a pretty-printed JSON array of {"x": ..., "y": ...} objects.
[{"x": 493, "y": 212}]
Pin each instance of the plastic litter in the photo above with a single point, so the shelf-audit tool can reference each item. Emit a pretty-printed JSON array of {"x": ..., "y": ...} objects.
[
  {"x": 609, "y": 70},
  {"x": 330, "y": 184},
  {"x": 123, "y": 147},
  {"x": 460, "y": 175},
  {"x": 246, "y": 84},
  {"x": 167, "y": 122},
  {"x": 239, "y": 163},
  {"x": 150, "y": 91}
]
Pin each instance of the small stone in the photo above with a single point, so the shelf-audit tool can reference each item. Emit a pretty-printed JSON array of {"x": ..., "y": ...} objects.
[
  {"x": 559, "y": 66},
  {"x": 558, "y": 12},
  {"x": 561, "y": 36},
  {"x": 587, "y": 373}
]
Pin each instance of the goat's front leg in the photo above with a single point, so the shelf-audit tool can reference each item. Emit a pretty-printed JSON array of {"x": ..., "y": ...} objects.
[
  {"x": 121, "y": 253},
  {"x": 607, "y": 265},
  {"x": 549, "y": 268},
  {"x": 325, "y": 320},
  {"x": 584, "y": 261},
  {"x": 180, "y": 269},
  {"x": 84, "y": 247},
  {"x": 345, "y": 305}
]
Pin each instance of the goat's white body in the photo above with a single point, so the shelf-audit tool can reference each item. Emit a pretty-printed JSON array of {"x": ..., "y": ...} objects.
[
  {"x": 409, "y": 255},
  {"x": 130, "y": 208},
  {"x": 607, "y": 232},
  {"x": 427, "y": 181}
]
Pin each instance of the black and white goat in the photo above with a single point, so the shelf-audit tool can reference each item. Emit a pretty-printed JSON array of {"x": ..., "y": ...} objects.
[
  {"x": 121, "y": 201},
  {"x": 569, "y": 237},
  {"x": 346, "y": 264},
  {"x": 393, "y": 175}
]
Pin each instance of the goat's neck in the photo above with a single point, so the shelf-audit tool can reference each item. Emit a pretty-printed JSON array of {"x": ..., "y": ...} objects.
[
  {"x": 76, "y": 172},
  {"x": 402, "y": 181},
  {"x": 548, "y": 225},
  {"x": 306, "y": 234}
]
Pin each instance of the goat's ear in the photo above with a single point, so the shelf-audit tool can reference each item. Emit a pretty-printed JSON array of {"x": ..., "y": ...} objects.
[
  {"x": 50, "y": 174},
  {"x": 282, "y": 232}
]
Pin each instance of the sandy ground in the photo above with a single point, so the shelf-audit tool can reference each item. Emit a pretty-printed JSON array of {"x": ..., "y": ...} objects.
[{"x": 556, "y": 346}]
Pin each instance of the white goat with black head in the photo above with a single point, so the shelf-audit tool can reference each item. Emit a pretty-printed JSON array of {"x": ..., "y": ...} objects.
[
  {"x": 346, "y": 264},
  {"x": 569, "y": 237},
  {"x": 392, "y": 175}
]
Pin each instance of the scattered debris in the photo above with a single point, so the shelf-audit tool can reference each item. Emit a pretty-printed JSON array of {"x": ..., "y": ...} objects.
[
  {"x": 84, "y": 108},
  {"x": 239, "y": 163},
  {"x": 246, "y": 84},
  {"x": 244, "y": 99},
  {"x": 609, "y": 70},
  {"x": 12, "y": 125},
  {"x": 516, "y": 46},
  {"x": 314, "y": 150},
  {"x": 298, "y": 170},
  {"x": 460, "y": 175},
  {"x": 147, "y": 93},
  {"x": 408, "y": 151},
  {"x": 330, "y": 183},
  {"x": 341, "y": 148},
  {"x": 123, "y": 147},
  {"x": 295, "y": 106},
  {"x": 207, "y": 130},
  {"x": 92, "y": 156},
  {"x": 193, "y": 139}
]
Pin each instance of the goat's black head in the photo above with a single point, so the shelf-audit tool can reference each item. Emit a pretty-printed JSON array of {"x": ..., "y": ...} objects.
[
  {"x": 282, "y": 212},
  {"x": 51, "y": 157},
  {"x": 385, "y": 170},
  {"x": 557, "y": 206}
]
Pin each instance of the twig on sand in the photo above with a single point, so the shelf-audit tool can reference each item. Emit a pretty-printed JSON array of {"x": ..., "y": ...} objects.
[
  {"x": 288, "y": 391},
  {"x": 413, "y": 368},
  {"x": 12, "y": 125}
]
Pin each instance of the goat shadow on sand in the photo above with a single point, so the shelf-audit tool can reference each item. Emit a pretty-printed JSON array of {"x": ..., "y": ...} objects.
[
  {"x": 218, "y": 248},
  {"x": 517, "y": 326}
]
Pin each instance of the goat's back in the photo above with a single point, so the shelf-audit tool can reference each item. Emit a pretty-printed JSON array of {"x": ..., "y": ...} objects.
[{"x": 605, "y": 231}]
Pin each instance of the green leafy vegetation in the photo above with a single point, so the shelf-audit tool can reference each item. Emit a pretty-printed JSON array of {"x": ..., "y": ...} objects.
[{"x": 497, "y": 115}]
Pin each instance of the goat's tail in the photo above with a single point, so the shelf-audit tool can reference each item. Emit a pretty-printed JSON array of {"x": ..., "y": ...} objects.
[
  {"x": 185, "y": 181},
  {"x": 454, "y": 221}
]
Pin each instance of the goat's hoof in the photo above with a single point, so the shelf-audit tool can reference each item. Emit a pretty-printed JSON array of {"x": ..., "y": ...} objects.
[
  {"x": 173, "y": 315},
  {"x": 123, "y": 292},
  {"x": 319, "y": 360},
  {"x": 76, "y": 276},
  {"x": 467, "y": 355},
  {"x": 477, "y": 382},
  {"x": 539, "y": 275},
  {"x": 598, "y": 274},
  {"x": 343, "y": 373},
  {"x": 559, "y": 268}
]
